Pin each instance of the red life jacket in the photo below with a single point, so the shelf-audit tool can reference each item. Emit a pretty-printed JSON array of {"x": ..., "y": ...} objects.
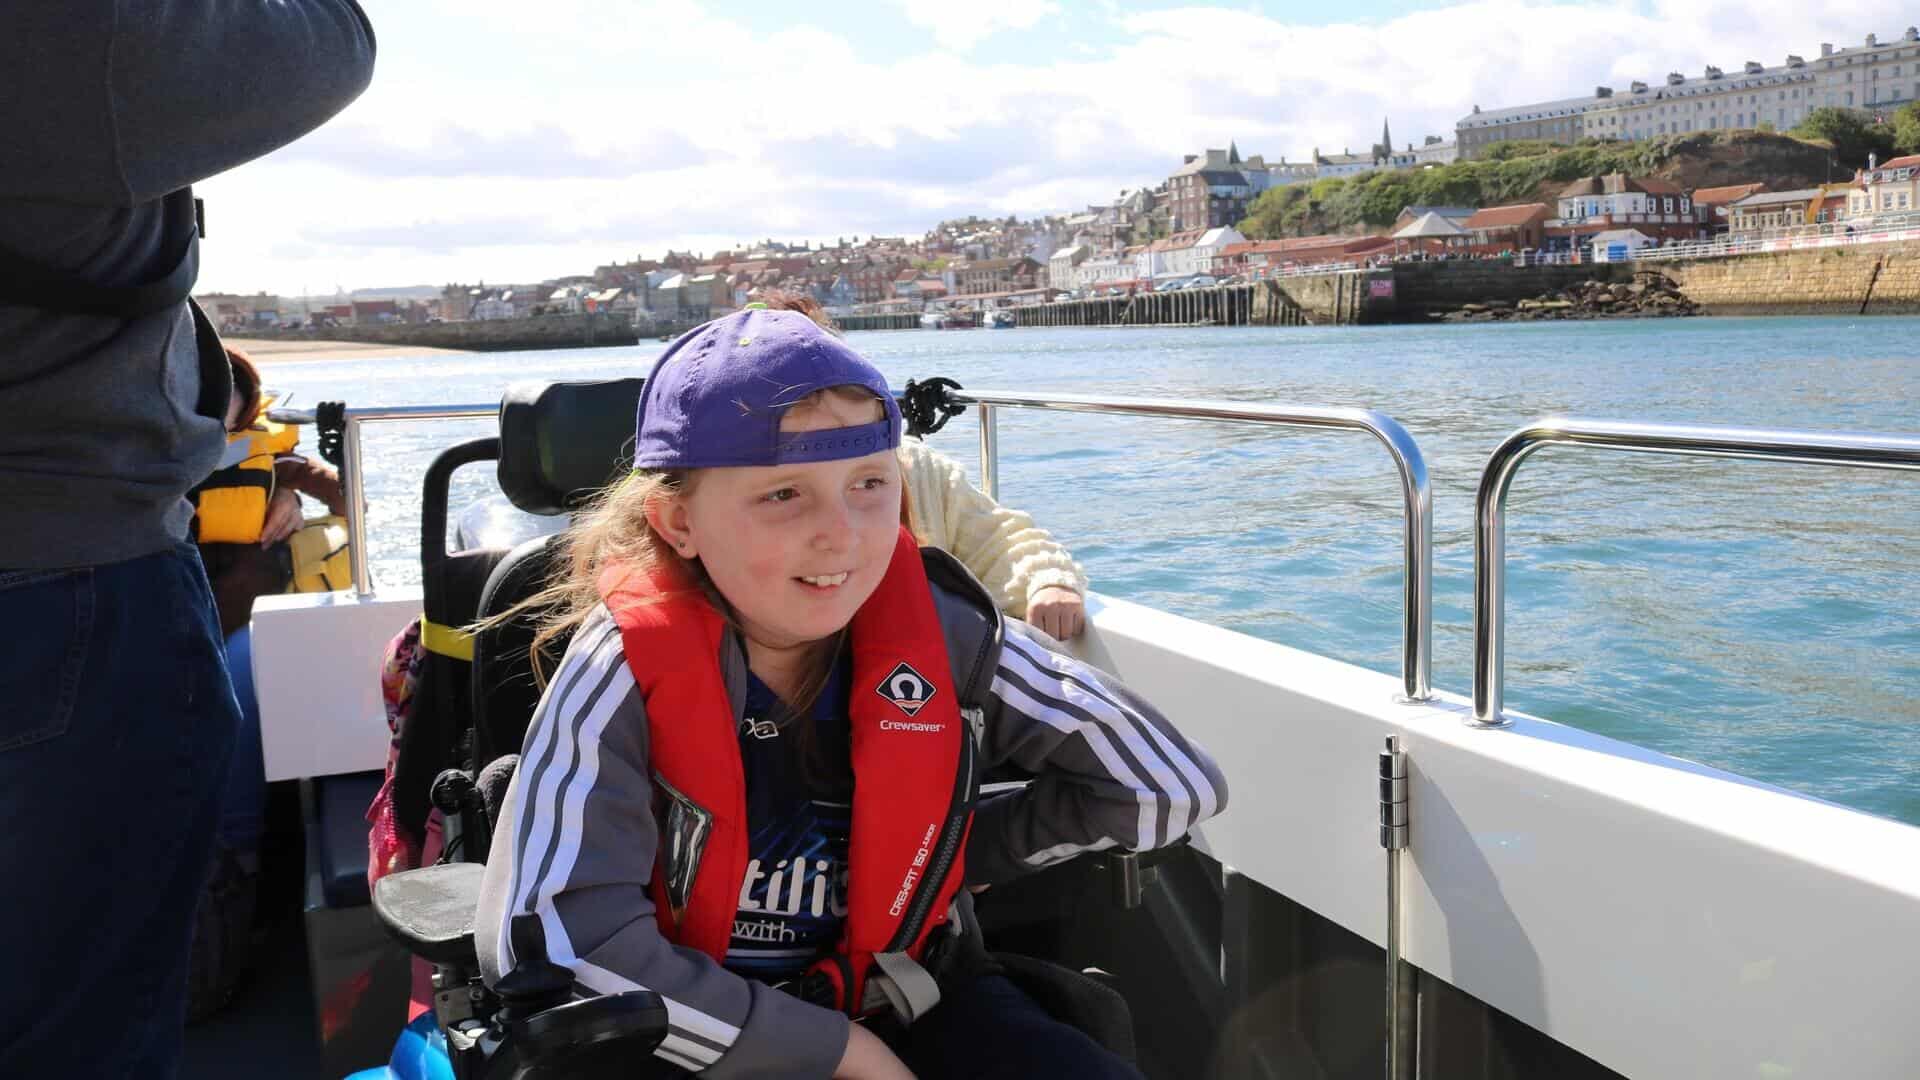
[{"x": 913, "y": 765}]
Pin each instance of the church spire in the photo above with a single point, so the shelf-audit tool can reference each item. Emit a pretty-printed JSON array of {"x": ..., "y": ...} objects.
[
  {"x": 1386, "y": 139},
  {"x": 1233, "y": 152}
]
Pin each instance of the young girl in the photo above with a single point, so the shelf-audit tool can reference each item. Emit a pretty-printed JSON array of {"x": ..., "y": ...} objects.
[{"x": 758, "y": 762}]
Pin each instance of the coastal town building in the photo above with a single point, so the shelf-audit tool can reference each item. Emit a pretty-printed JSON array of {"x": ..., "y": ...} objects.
[
  {"x": 1594, "y": 204},
  {"x": 1191, "y": 254},
  {"x": 1410, "y": 214},
  {"x": 1151, "y": 261},
  {"x": 491, "y": 306},
  {"x": 1431, "y": 234},
  {"x": 1108, "y": 268},
  {"x": 1262, "y": 259},
  {"x": 1765, "y": 210},
  {"x": 1875, "y": 76},
  {"x": 1553, "y": 121},
  {"x": 1435, "y": 151},
  {"x": 1833, "y": 202},
  {"x": 1508, "y": 228},
  {"x": 1711, "y": 203},
  {"x": 1209, "y": 189},
  {"x": 230, "y": 312},
  {"x": 1614, "y": 245},
  {"x": 918, "y": 285},
  {"x": 667, "y": 300},
  {"x": 1063, "y": 266},
  {"x": 973, "y": 277},
  {"x": 1892, "y": 188},
  {"x": 1234, "y": 258}
]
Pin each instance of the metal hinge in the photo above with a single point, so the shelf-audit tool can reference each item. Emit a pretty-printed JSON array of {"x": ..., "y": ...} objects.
[{"x": 1393, "y": 795}]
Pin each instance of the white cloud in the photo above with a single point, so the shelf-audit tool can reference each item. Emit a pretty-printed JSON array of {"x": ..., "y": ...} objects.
[
  {"x": 508, "y": 148},
  {"x": 962, "y": 26}
]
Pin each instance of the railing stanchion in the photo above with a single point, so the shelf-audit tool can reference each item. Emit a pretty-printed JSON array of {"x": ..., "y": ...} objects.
[
  {"x": 356, "y": 494},
  {"x": 1490, "y": 503},
  {"x": 989, "y": 451}
]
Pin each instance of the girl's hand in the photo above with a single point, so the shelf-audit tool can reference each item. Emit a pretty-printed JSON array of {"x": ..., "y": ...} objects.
[
  {"x": 1059, "y": 611},
  {"x": 284, "y": 517},
  {"x": 867, "y": 1058}
]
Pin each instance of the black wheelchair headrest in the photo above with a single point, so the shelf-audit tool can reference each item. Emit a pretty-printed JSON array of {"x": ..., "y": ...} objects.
[{"x": 562, "y": 441}]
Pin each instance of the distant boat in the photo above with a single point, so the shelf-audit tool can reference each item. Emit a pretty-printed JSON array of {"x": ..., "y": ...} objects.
[{"x": 1001, "y": 320}]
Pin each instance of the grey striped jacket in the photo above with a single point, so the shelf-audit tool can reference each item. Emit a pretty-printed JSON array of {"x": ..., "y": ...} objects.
[{"x": 577, "y": 836}]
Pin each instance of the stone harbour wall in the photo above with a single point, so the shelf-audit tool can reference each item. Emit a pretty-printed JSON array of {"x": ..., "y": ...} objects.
[
  {"x": 489, "y": 335},
  {"x": 1428, "y": 289},
  {"x": 1870, "y": 279}
]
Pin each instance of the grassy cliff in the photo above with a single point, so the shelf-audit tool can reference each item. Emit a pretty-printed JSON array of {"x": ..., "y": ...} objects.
[{"x": 1536, "y": 172}]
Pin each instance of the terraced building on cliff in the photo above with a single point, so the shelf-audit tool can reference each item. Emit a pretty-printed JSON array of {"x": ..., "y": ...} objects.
[{"x": 1875, "y": 77}]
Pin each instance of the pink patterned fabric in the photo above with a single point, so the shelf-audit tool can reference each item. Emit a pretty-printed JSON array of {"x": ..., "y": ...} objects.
[{"x": 389, "y": 849}]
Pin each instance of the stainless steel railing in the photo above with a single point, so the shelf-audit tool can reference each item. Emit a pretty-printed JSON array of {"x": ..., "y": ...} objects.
[
  {"x": 1416, "y": 661},
  {"x": 353, "y": 478},
  {"x": 1417, "y": 593},
  {"x": 1490, "y": 503}
]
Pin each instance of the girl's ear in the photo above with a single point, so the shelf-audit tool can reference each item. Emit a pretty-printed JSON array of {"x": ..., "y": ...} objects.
[{"x": 667, "y": 513}]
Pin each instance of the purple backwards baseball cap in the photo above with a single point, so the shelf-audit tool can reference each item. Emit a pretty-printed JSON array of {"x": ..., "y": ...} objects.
[{"x": 717, "y": 395}]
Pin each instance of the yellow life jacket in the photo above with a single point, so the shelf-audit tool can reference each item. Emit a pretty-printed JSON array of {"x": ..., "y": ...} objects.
[
  {"x": 231, "y": 504},
  {"x": 321, "y": 562}
]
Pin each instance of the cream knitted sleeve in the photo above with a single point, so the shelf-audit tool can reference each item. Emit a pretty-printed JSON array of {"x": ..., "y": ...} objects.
[{"x": 1012, "y": 557}]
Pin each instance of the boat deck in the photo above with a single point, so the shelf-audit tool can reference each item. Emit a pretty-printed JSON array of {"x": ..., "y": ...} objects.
[{"x": 271, "y": 1026}]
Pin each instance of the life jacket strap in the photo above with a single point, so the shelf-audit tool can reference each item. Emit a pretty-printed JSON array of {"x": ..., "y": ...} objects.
[{"x": 902, "y": 984}]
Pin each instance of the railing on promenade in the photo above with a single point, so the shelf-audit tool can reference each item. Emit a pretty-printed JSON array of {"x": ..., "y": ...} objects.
[
  {"x": 1311, "y": 269},
  {"x": 1884, "y": 229}
]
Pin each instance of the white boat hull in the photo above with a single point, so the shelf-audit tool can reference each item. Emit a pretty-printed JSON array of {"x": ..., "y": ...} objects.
[{"x": 1660, "y": 917}]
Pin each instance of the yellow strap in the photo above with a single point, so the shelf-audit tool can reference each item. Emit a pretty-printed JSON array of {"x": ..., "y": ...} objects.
[{"x": 450, "y": 641}]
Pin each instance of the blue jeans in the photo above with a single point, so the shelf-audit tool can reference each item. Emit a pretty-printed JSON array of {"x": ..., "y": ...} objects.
[
  {"x": 989, "y": 1029},
  {"x": 243, "y": 805},
  {"x": 117, "y": 723}
]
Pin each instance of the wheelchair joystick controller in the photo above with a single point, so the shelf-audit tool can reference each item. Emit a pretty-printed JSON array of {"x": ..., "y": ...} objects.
[{"x": 535, "y": 983}]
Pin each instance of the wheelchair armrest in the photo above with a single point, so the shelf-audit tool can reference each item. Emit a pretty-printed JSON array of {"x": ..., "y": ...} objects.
[{"x": 430, "y": 910}]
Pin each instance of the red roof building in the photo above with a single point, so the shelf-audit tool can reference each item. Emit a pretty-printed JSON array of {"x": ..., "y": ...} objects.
[{"x": 1507, "y": 228}]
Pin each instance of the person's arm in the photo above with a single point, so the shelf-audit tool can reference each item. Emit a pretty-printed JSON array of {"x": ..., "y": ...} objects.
[
  {"x": 1014, "y": 558},
  {"x": 315, "y": 479},
  {"x": 133, "y": 99},
  {"x": 575, "y": 845},
  {"x": 1108, "y": 770}
]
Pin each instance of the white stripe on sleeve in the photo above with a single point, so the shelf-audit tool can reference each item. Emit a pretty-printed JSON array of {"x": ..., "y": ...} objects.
[
  {"x": 1154, "y": 751},
  {"x": 571, "y": 742}
]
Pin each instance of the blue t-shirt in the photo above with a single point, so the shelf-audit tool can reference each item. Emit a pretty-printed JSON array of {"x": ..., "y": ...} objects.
[{"x": 794, "y": 896}]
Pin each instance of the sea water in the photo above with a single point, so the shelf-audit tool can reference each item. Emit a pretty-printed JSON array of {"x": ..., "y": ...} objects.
[{"x": 1755, "y": 616}]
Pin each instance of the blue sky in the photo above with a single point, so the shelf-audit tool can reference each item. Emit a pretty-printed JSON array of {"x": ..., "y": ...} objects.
[{"x": 512, "y": 142}]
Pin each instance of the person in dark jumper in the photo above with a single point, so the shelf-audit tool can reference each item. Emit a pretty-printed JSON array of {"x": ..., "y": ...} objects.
[{"x": 119, "y": 717}]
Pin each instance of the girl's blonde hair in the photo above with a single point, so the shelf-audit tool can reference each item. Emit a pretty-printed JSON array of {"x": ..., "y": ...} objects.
[{"x": 611, "y": 528}]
